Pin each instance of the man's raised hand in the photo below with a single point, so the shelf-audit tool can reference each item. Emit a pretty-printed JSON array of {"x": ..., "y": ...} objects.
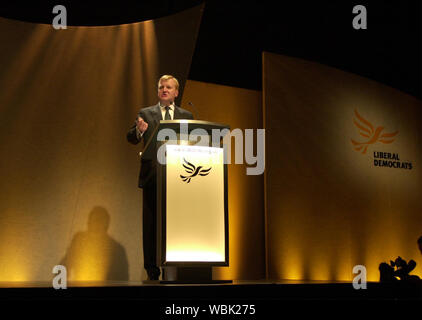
[{"x": 141, "y": 125}]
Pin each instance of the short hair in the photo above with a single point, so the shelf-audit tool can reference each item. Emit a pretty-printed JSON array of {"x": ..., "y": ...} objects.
[{"x": 168, "y": 77}]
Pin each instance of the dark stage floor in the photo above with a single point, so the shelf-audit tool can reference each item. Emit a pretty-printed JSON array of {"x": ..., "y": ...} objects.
[
  {"x": 238, "y": 290},
  {"x": 238, "y": 300}
]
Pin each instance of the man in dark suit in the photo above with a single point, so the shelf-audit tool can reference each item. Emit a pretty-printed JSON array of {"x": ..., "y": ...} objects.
[{"x": 148, "y": 119}]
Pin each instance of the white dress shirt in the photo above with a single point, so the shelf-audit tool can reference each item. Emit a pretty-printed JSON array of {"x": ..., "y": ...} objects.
[{"x": 163, "y": 111}]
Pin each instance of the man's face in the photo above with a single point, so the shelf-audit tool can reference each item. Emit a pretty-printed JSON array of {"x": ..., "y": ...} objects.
[{"x": 167, "y": 91}]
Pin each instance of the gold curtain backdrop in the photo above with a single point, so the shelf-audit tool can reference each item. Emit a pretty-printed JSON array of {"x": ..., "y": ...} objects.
[
  {"x": 68, "y": 192},
  {"x": 330, "y": 203}
]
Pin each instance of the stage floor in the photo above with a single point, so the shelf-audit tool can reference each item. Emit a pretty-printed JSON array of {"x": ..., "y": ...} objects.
[{"x": 256, "y": 290}]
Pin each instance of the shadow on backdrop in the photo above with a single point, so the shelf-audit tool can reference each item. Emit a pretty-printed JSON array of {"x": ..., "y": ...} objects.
[{"x": 95, "y": 256}]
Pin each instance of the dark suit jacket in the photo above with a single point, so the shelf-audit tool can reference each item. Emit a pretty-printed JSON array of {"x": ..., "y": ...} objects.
[{"x": 152, "y": 115}]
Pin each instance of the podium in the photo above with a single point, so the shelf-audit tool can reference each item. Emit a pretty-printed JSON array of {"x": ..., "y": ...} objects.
[{"x": 192, "y": 208}]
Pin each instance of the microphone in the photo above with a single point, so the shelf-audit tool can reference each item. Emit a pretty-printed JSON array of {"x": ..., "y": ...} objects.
[{"x": 191, "y": 104}]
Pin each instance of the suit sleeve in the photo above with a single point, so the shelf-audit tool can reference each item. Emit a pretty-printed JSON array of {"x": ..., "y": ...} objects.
[{"x": 132, "y": 135}]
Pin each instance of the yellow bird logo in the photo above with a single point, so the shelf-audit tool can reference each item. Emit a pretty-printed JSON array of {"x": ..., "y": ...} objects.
[
  {"x": 367, "y": 130},
  {"x": 193, "y": 171}
]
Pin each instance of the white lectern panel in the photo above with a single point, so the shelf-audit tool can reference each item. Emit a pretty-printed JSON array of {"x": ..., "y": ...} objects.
[{"x": 195, "y": 204}]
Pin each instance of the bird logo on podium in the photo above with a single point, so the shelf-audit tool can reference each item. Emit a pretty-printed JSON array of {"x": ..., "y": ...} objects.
[
  {"x": 193, "y": 171},
  {"x": 367, "y": 130}
]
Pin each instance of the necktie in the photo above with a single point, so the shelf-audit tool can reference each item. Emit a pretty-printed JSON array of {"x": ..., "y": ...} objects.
[{"x": 167, "y": 115}]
